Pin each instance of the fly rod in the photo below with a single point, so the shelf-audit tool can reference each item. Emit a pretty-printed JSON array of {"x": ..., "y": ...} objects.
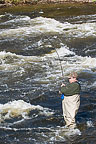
[
  {"x": 60, "y": 62},
  {"x": 58, "y": 59}
]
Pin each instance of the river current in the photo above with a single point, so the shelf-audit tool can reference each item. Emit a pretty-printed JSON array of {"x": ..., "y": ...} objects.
[{"x": 31, "y": 74}]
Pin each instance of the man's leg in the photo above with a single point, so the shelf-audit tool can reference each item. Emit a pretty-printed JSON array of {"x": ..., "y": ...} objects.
[{"x": 70, "y": 107}]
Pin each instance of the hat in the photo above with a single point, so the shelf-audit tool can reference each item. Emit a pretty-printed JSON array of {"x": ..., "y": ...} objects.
[{"x": 73, "y": 74}]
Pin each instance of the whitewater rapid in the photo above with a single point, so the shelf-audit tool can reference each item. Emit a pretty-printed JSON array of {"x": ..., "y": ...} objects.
[{"x": 31, "y": 72}]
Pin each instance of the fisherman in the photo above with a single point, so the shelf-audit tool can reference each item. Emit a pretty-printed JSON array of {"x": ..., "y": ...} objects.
[{"x": 71, "y": 101}]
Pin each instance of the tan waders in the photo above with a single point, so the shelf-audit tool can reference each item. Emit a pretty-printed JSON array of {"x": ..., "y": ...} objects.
[{"x": 70, "y": 106}]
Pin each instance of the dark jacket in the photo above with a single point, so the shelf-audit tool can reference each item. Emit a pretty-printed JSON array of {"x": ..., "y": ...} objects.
[{"x": 71, "y": 89}]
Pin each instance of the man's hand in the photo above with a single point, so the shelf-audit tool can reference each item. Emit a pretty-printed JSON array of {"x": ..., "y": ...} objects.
[{"x": 62, "y": 84}]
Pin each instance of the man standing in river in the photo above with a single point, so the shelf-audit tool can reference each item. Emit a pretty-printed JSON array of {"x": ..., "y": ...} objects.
[{"x": 71, "y": 101}]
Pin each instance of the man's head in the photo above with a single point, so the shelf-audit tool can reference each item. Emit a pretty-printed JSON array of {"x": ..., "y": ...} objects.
[{"x": 72, "y": 77}]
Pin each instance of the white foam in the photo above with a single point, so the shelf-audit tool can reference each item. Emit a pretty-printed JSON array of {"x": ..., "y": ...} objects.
[
  {"x": 20, "y": 108},
  {"x": 90, "y": 124},
  {"x": 40, "y": 25},
  {"x": 12, "y": 62},
  {"x": 85, "y": 62},
  {"x": 60, "y": 133},
  {"x": 49, "y": 135},
  {"x": 1, "y": 16},
  {"x": 19, "y": 19},
  {"x": 63, "y": 51},
  {"x": 71, "y": 63},
  {"x": 73, "y": 132},
  {"x": 41, "y": 12},
  {"x": 17, "y": 63}
]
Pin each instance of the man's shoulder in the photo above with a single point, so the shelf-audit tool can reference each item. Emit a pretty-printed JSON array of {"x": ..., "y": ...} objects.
[{"x": 76, "y": 83}]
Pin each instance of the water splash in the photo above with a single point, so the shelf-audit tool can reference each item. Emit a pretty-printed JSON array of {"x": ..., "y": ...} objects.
[
  {"x": 89, "y": 124},
  {"x": 20, "y": 108},
  {"x": 41, "y": 25}
]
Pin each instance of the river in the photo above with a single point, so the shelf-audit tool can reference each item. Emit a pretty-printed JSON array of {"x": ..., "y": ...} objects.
[{"x": 31, "y": 74}]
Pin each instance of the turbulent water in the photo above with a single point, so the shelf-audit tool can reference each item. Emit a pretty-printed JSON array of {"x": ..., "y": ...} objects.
[{"x": 33, "y": 52}]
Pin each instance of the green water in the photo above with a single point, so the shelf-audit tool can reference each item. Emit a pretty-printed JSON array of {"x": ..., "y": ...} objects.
[{"x": 53, "y": 10}]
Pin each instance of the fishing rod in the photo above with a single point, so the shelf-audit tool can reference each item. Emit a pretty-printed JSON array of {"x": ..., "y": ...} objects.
[
  {"x": 62, "y": 95},
  {"x": 60, "y": 63},
  {"x": 58, "y": 59}
]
